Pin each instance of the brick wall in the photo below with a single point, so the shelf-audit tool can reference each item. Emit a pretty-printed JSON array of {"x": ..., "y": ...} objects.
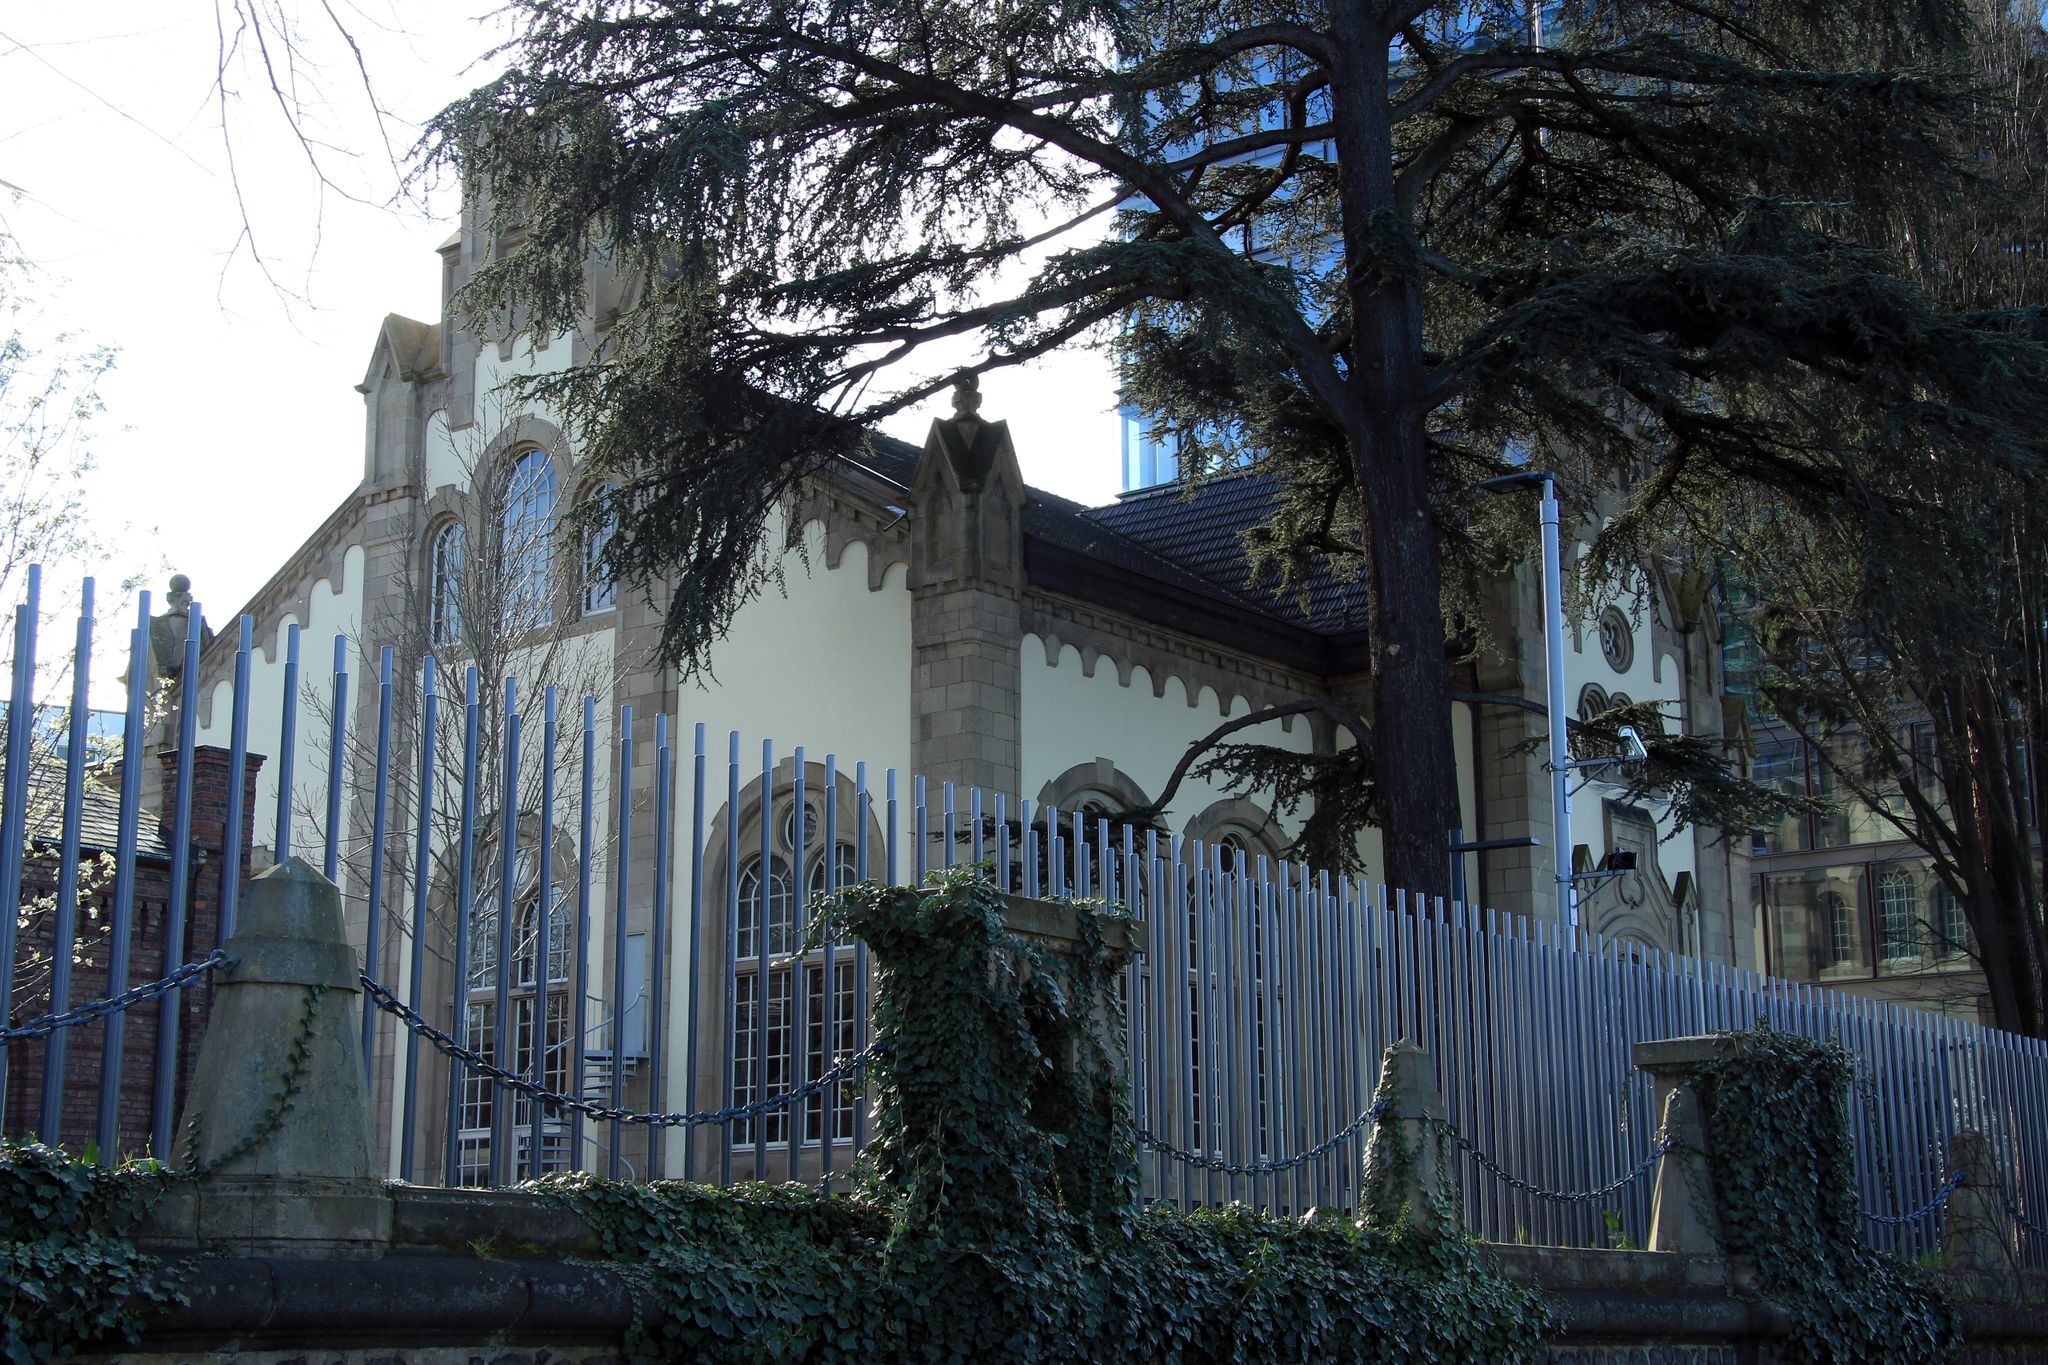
[{"x": 85, "y": 1048}]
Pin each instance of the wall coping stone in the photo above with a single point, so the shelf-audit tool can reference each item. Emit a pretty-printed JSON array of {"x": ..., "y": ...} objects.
[{"x": 422, "y": 1300}]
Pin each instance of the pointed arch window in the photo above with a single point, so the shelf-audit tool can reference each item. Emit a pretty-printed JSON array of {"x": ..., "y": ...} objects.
[
  {"x": 446, "y": 560},
  {"x": 527, "y": 541}
]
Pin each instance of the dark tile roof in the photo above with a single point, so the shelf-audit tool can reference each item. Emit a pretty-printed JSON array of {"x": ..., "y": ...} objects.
[
  {"x": 99, "y": 823},
  {"x": 1203, "y": 531},
  {"x": 1190, "y": 540}
]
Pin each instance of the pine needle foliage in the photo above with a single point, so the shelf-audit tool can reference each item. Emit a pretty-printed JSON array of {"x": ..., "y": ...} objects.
[{"x": 1380, "y": 246}]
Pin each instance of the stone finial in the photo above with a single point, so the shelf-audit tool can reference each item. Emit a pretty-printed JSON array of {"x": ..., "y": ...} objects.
[
  {"x": 167, "y": 630},
  {"x": 966, "y": 396}
]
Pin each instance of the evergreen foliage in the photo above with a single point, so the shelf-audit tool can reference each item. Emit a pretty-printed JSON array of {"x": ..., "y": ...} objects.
[
  {"x": 1386, "y": 247},
  {"x": 996, "y": 1216}
]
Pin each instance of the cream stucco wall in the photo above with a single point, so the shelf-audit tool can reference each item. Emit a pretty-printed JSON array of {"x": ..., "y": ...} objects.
[
  {"x": 1071, "y": 717},
  {"x": 333, "y": 608}
]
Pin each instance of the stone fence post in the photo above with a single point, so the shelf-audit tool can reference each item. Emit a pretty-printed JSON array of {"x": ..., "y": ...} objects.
[
  {"x": 1683, "y": 1216},
  {"x": 1407, "y": 1165},
  {"x": 276, "y": 1132},
  {"x": 1058, "y": 926},
  {"x": 1978, "y": 1236}
]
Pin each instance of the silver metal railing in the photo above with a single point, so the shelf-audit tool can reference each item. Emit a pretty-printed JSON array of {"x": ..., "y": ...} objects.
[{"x": 532, "y": 906}]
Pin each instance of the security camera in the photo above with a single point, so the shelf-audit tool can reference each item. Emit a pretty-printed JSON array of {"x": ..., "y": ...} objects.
[{"x": 1636, "y": 752}]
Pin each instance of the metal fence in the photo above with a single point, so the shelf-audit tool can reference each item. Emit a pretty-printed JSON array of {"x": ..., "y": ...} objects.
[{"x": 567, "y": 975}]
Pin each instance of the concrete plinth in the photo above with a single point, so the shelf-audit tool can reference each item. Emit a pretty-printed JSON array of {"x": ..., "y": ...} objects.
[
  {"x": 276, "y": 1133},
  {"x": 1978, "y": 1236},
  {"x": 1406, "y": 1161}
]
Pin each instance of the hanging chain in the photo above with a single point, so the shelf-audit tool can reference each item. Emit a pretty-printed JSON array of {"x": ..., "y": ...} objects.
[
  {"x": 2013, "y": 1210},
  {"x": 45, "y": 1025},
  {"x": 1494, "y": 1169},
  {"x": 1272, "y": 1166},
  {"x": 1927, "y": 1210},
  {"x": 477, "y": 1062}
]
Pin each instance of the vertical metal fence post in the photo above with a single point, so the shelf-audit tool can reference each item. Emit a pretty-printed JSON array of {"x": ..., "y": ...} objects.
[
  {"x": 621, "y": 862},
  {"x": 422, "y": 890},
  {"x": 828, "y": 972},
  {"x": 65, "y": 932},
  {"x": 287, "y": 749},
  {"x": 164, "y": 1100},
  {"x": 951, "y": 840},
  {"x": 889, "y": 835},
  {"x": 693, "y": 1040},
  {"x": 657, "y": 941},
  {"x": 505, "y": 1028},
  {"x": 238, "y": 767},
  {"x": 337, "y": 740},
  {"x": 923, "y": 830},
  {"x": 730, "y": 1040},
  {"x": 861, "y": 869},
  {"x": 798, "y": 994},
  {"x": 586, "y": 854},
  {"x": 373, "y": 892},
  {"x": 543, "y": 938},
  {"x": 14, "y": 815},
  {"x": 764, "y": 929},
  {"x": 728, "y": 1043},
  {"x": 122, "y": 929},
  {"x": 465, "y": 916}
]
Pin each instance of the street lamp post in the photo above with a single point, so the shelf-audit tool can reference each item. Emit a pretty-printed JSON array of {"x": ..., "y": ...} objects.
[{"x": 1553, "y": 664}]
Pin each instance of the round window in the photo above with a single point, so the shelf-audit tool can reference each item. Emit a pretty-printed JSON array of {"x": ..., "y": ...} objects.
[{"x": 1617, "y": 640}]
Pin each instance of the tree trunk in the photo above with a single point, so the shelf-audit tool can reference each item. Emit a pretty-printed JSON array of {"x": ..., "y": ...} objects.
[
  {"x": 1383, "y": 427},
  {"x": 1411, "y": 682}
]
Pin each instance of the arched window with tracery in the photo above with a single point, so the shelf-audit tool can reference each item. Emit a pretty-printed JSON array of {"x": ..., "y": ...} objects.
[
  {"x": 538, "y": 997},
  {"x": 527, "y": 541},
  {"x": 1233, "y": 857},
  {"x": 447, "y": 557},
  {"x": 781, "y": 1038}
]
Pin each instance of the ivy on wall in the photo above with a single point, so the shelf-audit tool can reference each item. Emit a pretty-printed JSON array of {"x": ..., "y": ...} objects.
[
  {"x": 1781, "y": 1159},
  {"x": 996, "y": 1216},
  {"x": 69, "y": 1271}
]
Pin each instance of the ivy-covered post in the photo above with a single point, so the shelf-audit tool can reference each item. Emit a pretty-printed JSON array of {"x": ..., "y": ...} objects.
[
  {"x": 1978, "y": 1236},
  {"x": 1087, "y": 940},
  {"x": 1780, "y": 1169},
  {"x": 277, "y": 1127},
  {"x": 1683, "y": 1217},
  {"x": 1407, "y": 1162}
]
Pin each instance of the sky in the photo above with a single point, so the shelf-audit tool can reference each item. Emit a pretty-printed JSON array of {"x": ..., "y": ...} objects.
[{"x": 178, "y": 220}]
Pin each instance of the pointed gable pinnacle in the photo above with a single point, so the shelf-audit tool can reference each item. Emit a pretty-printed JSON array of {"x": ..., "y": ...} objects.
[
  {"x": 974, "y": 452},
  {"x": 969, "y": 495}
]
